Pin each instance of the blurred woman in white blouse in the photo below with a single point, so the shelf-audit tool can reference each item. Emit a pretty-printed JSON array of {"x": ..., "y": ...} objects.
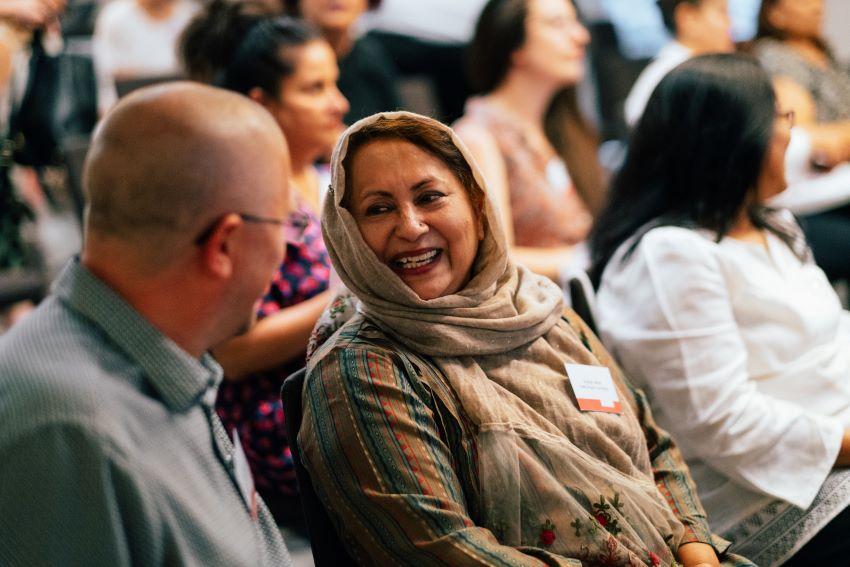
[{"x": 711, "y": 301}]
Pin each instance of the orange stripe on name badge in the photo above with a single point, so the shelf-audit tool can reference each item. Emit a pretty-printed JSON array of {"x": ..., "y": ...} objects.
[{"x": 585, "y": 404}]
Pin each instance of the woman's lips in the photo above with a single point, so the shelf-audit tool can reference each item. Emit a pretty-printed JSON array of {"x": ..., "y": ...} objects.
[{"x": 416, "y": 262}]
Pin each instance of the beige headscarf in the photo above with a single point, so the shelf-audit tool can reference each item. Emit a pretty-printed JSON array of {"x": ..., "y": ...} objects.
[{"x": 501, "y": 344}]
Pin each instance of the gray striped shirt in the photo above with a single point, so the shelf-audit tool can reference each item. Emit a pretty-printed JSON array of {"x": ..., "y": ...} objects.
[{"x": 110, "y": 449}]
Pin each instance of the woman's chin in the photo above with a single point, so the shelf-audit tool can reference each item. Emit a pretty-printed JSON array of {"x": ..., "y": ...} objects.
[
  {"x": 426, "y": 290},
  {"x": 429, "y": 289}
]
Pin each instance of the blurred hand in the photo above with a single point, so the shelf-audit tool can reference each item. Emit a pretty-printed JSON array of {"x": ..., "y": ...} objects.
[{"x": 31, "y": 13}]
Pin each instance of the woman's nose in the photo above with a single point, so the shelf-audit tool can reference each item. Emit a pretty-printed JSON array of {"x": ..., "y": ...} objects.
[
  {"x": 340, "y": 102},
  {"x": 411, "y": 224},
  {"x": 580, "y": 35}
]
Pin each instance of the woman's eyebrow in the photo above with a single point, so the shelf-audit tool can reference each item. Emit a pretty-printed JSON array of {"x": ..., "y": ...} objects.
[
  {"x": 376, "y": 193},
  {"x": 422, "y": 183},
  {"x": 418, "y": 186}
]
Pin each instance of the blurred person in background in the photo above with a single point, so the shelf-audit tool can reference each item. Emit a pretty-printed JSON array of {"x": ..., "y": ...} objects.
[
  {"x": 286, "y": 66},
  {"x": 428, "y": 38},
  {"x": 698, "y": 26},
  {"x": 22, "y": 22},
  {"x": 136, "y": 39},
  {"x": 791, "y": 46},
  {"x": 710, "y": 300},
  {"x": 367, "y": 74},
  {"x": 17, "y": 20},
  {"x": 526, "y": 132}
]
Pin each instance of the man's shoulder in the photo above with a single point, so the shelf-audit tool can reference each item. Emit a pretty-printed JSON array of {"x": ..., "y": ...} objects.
[{"x": 57, "y": 367}]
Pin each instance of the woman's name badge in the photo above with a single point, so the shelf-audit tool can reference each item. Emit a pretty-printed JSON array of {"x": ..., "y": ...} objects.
[{"x": 594, "y": 388}]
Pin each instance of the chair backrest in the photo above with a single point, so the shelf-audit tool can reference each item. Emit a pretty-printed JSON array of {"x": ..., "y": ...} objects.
[
  {"x": 583, "y": 299},
  {"x": 74, "y": 150},
  {"x": 125, "y": 86},
  {"x": 21, "y": 285},
  {"x": 614, "y": 75},
  {"x": 328, "y": 550}
]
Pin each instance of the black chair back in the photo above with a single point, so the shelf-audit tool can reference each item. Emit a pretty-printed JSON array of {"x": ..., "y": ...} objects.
[
  {"x": 125, "y": 86},
  {"x": 21, "y": 285},
  {"x": 328, "y": 550},
  {"x": 74, "y": 150},
  {"x": 580, "y": 303}
]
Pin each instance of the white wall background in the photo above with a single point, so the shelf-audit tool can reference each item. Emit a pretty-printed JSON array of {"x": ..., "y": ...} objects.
[{"x": 837, "y": 27}]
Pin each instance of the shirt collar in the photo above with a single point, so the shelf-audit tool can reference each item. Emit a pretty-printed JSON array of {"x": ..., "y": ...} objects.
[
  {"x": 179, "y": 378},
  {"x": 677, "y": 50}
]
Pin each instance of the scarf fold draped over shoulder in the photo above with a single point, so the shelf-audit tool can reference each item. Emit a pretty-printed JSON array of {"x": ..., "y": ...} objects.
[{"x": 501, "y": 343}]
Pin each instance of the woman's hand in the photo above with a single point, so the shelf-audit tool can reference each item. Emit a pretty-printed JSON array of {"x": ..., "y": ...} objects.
[
  {"x": 698, "y": 555},
  {"x": 31, "y": 13}
]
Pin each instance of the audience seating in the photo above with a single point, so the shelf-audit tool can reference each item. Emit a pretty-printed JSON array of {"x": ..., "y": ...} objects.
[
  {"x": 21, "y": 285},
  {"x": 125, "y": 86},
  {"x": 328, "y": 550},
  {"x": 74, "y": 150},
  {"x": 614, "y": 76},
  {"x": 582, "y": 298}
]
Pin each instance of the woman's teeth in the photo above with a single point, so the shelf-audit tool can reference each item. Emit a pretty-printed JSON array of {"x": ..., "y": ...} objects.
[{"x": 417, "y": 261}]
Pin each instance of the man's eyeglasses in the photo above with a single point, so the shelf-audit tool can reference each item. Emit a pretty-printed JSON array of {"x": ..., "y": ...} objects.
[{"x": 293, "y": 227}]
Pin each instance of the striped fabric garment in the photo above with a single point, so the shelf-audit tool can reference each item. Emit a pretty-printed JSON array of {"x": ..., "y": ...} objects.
[{"x": 393, "y": 459}]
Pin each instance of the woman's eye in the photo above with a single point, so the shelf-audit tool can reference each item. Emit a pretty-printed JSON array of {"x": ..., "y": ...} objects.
[
  {"x": 558, "y": 22},
  {"x": 431, "y": 197},
  {"x": 377, "y": 209}
]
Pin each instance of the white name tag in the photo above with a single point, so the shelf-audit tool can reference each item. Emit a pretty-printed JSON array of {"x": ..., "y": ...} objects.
[
  {"x": 594, "y": 388},
  {"x": 243, "y": 475}
]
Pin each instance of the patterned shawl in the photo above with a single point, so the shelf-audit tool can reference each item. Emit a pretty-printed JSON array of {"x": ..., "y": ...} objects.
[{"x": 502, "y": 344}]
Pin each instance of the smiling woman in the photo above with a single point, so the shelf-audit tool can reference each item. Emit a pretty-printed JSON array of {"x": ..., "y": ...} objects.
[
  {"x": 440, "y": 425},
  {"x": 414, "y": 211}
]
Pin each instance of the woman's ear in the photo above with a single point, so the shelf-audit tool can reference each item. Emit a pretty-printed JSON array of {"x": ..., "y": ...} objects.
[
  {"x": 518, "y": 58},
  {"x": 259, "y": 95},
  {"x": 776, "y": 18}
]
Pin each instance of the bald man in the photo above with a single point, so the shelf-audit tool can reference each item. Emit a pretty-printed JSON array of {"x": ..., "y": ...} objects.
[{"x": 111, "y": 452}]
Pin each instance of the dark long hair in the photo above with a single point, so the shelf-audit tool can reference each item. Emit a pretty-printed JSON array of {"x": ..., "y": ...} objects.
[
  {"x": 500, "y": 31},
  {"x": 695, "y": 157},
  {"x": 239, "y": 45}
]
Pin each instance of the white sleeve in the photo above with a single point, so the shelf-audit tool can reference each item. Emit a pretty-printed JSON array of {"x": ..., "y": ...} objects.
[
  {"x": 681, "y": 339},
  {"x": 103, "y": 51}
]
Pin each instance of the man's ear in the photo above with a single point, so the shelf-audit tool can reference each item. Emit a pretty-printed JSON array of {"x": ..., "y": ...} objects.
[{"x": 218, "y": 250}]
